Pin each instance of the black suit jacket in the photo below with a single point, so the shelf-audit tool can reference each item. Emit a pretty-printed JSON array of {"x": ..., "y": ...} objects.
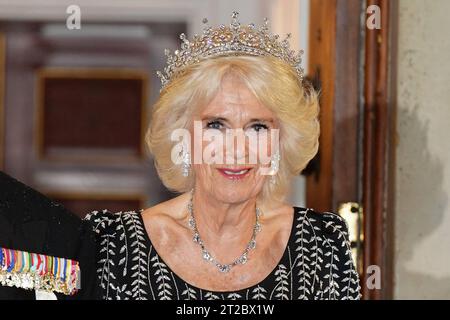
[{"x": 31, "y": 222}]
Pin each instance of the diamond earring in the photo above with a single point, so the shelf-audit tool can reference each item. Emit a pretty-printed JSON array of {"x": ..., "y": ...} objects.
[
  {"x": 274, "y": 166},
  {"x": 186, "y": 162}
]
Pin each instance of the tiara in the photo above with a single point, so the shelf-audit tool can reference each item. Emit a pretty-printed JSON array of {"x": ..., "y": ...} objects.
[{"x": 235, "y": 39}]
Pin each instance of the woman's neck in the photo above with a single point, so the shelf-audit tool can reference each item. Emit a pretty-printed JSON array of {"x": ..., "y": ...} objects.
[{"x": 220, "y": 221}]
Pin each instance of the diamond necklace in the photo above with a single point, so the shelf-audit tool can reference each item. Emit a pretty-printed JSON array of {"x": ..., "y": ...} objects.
[{"x": 242, "y": 259}]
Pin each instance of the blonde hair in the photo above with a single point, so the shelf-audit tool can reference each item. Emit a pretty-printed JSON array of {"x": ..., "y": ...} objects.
[{"x": 273, "y": 82}]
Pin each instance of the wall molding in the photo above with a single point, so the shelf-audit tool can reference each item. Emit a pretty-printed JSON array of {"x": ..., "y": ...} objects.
[{"x": 192, "y": 12}]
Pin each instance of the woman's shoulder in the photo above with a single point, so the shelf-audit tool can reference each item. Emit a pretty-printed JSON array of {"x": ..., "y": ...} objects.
[
  {"x": 327, "y": 222},
  {"x": 174, "y": 208},
  {"x": 167, "y": 216},
  {"x": 160, "y": 217},
  {"x": 105, "y": 222},
  {"x": 325, "y": 230}
]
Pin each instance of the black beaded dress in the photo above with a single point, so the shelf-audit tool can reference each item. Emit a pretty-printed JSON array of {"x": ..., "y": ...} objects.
[{"x": 316, "y": 263}]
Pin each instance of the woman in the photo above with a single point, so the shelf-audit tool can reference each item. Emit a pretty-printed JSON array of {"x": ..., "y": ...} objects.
[{"x": 229, "y": 234}]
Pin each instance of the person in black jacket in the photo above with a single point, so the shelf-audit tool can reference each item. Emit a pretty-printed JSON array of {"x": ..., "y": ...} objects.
[{"x": 31, "y": 222}]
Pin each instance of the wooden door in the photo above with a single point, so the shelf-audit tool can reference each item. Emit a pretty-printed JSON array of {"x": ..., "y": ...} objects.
[{"x": 351, "y": 65}]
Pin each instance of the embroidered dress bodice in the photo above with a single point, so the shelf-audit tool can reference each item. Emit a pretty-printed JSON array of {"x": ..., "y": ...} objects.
[{"x": 316, "y": 263}]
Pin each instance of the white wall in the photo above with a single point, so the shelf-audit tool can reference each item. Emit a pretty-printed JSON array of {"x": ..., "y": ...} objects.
[
  {"x": 422, "y": 226},
  {"x": 292, "y": 16}
]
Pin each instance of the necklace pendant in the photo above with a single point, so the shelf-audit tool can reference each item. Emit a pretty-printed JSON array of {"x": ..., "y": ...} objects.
[
  {"x": 196, "y": 238},
  {"x": 224, "y": 268},
  {"x": 243, "y": 259},
  {"x": 207, "y": 256}
]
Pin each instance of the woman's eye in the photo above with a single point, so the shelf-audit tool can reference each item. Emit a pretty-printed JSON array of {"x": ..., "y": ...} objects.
[
  {"x": 214, "y": 125},
  {"x": 259, "y": 126}
]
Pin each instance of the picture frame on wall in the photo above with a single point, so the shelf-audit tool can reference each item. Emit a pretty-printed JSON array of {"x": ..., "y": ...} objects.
[{"x": 90, "y": 115}]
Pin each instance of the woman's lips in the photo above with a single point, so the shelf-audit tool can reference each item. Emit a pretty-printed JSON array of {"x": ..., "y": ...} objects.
[{"x": 234, "y": 173}]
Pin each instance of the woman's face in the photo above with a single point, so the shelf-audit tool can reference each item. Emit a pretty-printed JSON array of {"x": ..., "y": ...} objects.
[{"x": 234, "y": 107}]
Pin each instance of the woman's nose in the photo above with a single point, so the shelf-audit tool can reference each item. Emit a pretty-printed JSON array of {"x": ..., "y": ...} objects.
[{"x": 236, "y": 147}]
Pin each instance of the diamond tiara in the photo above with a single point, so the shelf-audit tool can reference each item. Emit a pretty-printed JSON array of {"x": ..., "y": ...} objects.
[{"x": 234, "y": 39}]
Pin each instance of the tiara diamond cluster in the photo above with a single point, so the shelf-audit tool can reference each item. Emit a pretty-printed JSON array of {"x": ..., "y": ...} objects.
[{"x": 235, "y": 39}]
